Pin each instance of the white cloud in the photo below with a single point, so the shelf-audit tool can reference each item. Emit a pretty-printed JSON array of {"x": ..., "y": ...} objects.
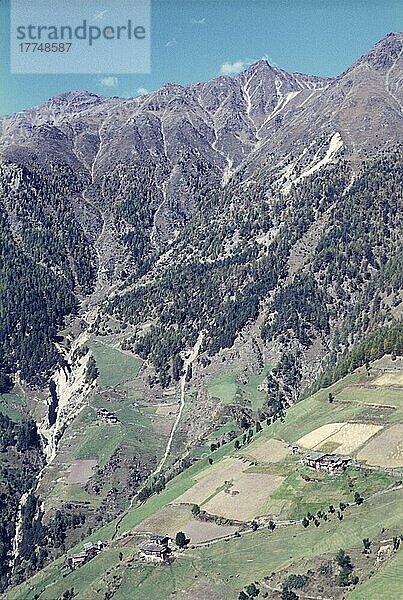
[
  {"x": 229, "y": 68},
  {"x": 109, "y": 81},
  {"x": 198, "y": 21},
  {"x": 141, "y": 91}
]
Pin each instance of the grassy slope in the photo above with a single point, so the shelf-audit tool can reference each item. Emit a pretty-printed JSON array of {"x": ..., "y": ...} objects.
[
  {"x": 224, "y": 388},
  {"x": 9, "y": 405},
  {"x": 387, "y": 583},
  {"x": 21, "y": 402},
  {"x": 232, "y": 563},
  {"x": 374, "y": 395},
  {"x": 134, "y": 432},
  {"x": 115, "y": 367},
  {"x": 253, "y": 555},
  {"x": 220, "y": 431},
  {"x": 229, "y": 391},
  {"x": 295, "y": 497},
  {"x": 88, "y": 437}
]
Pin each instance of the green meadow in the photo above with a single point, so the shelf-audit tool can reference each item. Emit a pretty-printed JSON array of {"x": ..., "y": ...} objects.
[
  {"x": 133, "y": 432},
  {"x": 385, "y": 584},
  {"x": 9, "y": 405},
  {"x": 115, "y": 367},
  {"x": 230, "y": 391},
  {"x": 225, "y": 567}
]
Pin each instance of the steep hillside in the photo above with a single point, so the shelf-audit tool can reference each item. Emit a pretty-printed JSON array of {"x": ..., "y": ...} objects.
[
  {"x": 139, "y": 175},
  {"x": 184, "y": 265},
  {"x": 295, "y": 521},
  {"x": 240, "y": 271}
]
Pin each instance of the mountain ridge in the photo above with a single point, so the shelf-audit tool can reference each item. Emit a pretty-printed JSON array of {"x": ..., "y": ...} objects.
[
  {"x": 259, "y": 212},
  {"x": 179, "y": 144},
  {"x": 388, "y": 47}
]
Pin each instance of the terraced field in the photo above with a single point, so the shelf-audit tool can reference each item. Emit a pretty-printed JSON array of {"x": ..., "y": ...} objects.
[
  {"x": 224, "y": 567},
  {"x": 375, "y": 394},
  {"x": 345, "y": 438},
  {"x": 220, "y": 570},
  {"x": 386, "y": 449},
  {"x": 295, "y": 495}
]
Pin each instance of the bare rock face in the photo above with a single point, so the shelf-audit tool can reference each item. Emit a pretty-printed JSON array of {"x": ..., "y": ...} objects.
[
  {"x": 261, "y": 118},
  {"x": 385, "y": 53},
  {"x": 136, "y": 170}
]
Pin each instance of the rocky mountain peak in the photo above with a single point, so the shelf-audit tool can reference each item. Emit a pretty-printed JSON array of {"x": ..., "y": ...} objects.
[
  {"x": 384, "y": 54},
  {"x": 230, "y": 121},
  {"x": 261, "y": 65},
  {"x": 77, "y": 99}
]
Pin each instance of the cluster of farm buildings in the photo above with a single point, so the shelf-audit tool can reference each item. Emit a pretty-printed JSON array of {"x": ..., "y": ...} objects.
[
  {"x": 323, "y": 461},
  {"x": 330, "y": 463},
  {"x": 91, "y": 549},
  {"x": 108, "y": 417},
  {"x": 158, "y": 549}
]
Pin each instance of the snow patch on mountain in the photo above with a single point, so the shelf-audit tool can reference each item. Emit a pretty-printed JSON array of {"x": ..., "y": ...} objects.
[
  {"x": 335, "y": 144},
  {"x": 227, "y": 172}
]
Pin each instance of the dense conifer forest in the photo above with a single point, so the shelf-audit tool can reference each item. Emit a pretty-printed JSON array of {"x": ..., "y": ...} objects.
[{"x": 224, "y": 275}]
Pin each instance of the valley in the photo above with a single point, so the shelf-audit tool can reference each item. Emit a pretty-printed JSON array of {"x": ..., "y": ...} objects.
[
  {"x": 252, "y": 552},
  {"x": 201, "y": 333}
]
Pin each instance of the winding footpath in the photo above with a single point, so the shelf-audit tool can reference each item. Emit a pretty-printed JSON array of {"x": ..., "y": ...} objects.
[
  {"x": 187, "y": 362},
  {"x": 188, "y": 358}
]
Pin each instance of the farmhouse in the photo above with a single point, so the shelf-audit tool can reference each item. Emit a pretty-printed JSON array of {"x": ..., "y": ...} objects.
[
  {"x": 331, "y": 463},
  {"x": 91, "y": 549},
  {"x": 153, "y": 552},
  {"x": 313, "y": 459},
  {"x": 107, "y": 416},
  {"x": 156, "y": 550},
  {"x": 76, "y": 560},
  {"x": 161, "y": 540}
]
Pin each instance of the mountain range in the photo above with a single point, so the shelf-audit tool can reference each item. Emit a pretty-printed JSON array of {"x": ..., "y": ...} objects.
[{"x": 255, "y": 218}]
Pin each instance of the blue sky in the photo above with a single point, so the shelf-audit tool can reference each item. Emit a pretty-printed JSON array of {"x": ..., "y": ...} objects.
[{"x": 196, "y": 40}]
